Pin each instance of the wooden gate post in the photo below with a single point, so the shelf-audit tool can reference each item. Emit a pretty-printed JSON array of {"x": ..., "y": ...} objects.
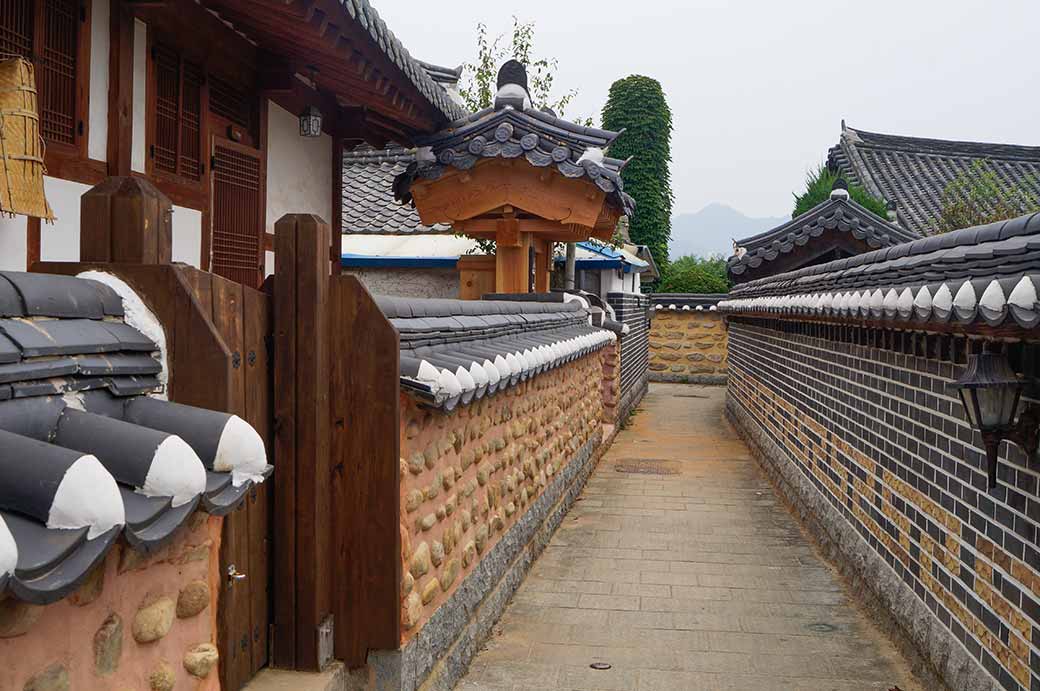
[
  {"x": 302, "y": 507},
  {"x": 126, "y": 220}
]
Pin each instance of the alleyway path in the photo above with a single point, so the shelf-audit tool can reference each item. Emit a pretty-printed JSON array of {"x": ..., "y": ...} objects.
[{"x": 694, "y": 577}]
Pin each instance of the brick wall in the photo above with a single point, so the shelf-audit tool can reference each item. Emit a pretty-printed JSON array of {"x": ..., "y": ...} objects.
[
  {"x": 632, "y": 309},
  {"x": 688, "y": 346},
  {"x": 862, "y": 432}
]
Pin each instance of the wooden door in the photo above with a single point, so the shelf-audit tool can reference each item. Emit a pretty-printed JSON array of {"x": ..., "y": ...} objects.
[{"x": 239, "y": 189}]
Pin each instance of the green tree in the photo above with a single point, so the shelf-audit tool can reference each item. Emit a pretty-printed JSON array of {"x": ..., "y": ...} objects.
[
  {"x": 979, "y": 196},
  {"x": 693, "y": 274},
  {"x": 818, "y": 186},
  {"x": 637, "y": 105},
  {"x": 478, "y": 77}
]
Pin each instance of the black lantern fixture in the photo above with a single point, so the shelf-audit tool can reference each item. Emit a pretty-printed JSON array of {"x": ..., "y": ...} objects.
[
  {"x": 991, "y": 392},
  {"x": 310, "y": 122}
]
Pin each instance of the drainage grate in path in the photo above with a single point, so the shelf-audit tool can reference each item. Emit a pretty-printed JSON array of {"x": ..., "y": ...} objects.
[{"x": 647, "y": 466}]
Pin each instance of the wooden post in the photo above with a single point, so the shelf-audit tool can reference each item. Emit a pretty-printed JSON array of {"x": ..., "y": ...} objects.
[
  {"x": 302, "y": 511},
  {"x": 126, "y": 220},
  {"x": 511, "y": 262}
]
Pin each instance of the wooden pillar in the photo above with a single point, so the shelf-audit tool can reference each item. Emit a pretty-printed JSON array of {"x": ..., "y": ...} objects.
[
  {"x": 302, "y": 510},
  {"x": 128, "y": 220},
  {"x": 543, "y": 264},
  {"x": 511, "y": 261},
  {"x": 121, "y": 88}
]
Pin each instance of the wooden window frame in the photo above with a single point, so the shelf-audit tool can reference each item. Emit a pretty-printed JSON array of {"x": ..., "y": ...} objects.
[
  {"x": 181, "y": 190},
  {"x": 62, "y": 160}
]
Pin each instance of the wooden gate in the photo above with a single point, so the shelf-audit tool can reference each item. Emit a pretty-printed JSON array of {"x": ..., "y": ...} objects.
[
  {"x": 239, "y": 190},
  {"x": 242, "y": 317}
]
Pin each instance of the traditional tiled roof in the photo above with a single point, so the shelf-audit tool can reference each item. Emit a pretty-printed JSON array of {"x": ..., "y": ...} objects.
[
  {"x": 367, "y": 17},
  {"x": 368, "y": 197},
  {"x": 914, "y": 172},
  {"x": 87, "y": 454},
  {"x": 684, "y": 302},
  {"x": 448, "y": 76},
  {"x": 455, "y": 351},
  {"x": 595, "y": 255},
  {"x": 988, "y": 275},
  {"x": 513, "y": 128},
  {"x": 837, "y": 215}
]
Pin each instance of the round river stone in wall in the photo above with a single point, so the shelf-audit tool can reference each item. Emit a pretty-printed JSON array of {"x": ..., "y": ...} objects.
[
  {"x": 201, "y": 659},
  {"x": 153, "y": 620},
  {"x": 17, "y": 617},
  {"x": 108, "y": 645},
  {"x": 54, "y": 678},
  {"x": 162, "y": 677},
  {"x": 192, "y": 599}
]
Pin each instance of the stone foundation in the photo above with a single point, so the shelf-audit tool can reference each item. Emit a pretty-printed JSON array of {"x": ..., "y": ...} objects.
[
  {"x": 137, "y": 623},
  {"x": 689, "y": 347}
]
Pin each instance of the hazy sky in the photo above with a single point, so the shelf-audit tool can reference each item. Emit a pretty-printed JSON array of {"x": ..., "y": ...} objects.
[{"x": 758, "y": 89}]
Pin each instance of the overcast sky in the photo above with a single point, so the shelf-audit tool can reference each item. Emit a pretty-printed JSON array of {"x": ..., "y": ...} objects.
[{"x": 758, "y": 89}]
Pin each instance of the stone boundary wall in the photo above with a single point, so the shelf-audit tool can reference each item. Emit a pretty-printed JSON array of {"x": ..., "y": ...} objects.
[
  {"x": 688, "y": 346},
  {"x": 871, "y": 445},
  {"x": 477, "y": 485},
  {"x": 138, "y": 622}
]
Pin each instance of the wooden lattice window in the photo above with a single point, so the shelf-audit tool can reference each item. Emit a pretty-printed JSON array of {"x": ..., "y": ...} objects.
[
  {"x": 231, "y": 103},
  {"x": 47, "y": 32},
  {"x": 177, "y": 135},
  {"x": 238, "y": 189}
]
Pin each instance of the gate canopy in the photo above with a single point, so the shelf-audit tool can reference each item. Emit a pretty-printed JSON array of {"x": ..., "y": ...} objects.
[{"x": 520, "y": 176}]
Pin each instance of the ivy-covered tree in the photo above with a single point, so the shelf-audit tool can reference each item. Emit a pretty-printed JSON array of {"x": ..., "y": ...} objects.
[
  {"x": 637, "y": 105},
  {"x": 818, "y": 185},
  {"x": 693, "y": 274},
  {"x": 979, "y": 196}
]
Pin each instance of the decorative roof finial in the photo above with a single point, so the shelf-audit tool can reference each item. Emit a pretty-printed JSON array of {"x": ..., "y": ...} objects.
[
  {"x": 840, "y": 189},
  {"x": 512, "y": 86}
]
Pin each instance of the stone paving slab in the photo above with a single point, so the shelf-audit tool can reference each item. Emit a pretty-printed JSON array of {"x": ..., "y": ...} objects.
[{"x": 694, "y": 579}]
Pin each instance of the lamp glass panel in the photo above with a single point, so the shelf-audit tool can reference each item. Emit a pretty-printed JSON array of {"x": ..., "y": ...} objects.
[{"x": 996, "y": 406}]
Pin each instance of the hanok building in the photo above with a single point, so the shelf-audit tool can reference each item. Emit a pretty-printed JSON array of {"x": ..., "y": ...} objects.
[
  {"x": 911, "y": 173},
  {"x": 835, "y": 229},
  {"x": 237, "y": 111}
]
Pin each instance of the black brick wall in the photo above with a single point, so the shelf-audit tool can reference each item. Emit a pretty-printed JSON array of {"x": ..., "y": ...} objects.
[
  {"x": 869, "y": 419},
  {"x": 634, "y": 310}
]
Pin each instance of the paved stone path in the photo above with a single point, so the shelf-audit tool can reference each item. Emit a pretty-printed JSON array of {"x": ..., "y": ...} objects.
[{"x": 691, "y": 577}]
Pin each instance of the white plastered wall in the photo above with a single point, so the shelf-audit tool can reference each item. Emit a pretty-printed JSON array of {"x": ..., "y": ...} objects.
[
  {"x": 12, "y": 243},
  {"x": 299, "y": 169},
  {"x": 59, "y": 241},
  {"x": 138, "y": 138},
  {"x": 187, "y": 236},
  {"x": 97, "y": 130}
]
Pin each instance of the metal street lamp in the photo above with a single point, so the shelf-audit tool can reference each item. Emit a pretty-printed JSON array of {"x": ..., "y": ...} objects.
[{"x": 991, "y": 392}]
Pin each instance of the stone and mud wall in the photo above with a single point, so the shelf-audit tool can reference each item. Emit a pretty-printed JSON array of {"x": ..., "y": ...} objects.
[
  {"x": 861, "y": 432},
  {"x": 688, "y": 346},
  {"x": 138, "y": 623},
  {"x": 482, "y": 489}
]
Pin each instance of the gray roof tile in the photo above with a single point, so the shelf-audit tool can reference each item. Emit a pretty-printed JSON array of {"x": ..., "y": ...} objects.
[
  {"x": 913, "y": 172},
  {"x": 368, "y": 197}
]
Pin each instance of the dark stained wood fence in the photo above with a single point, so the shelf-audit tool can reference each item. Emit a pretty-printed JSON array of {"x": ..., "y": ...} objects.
[{"x": 217, "y": 357}]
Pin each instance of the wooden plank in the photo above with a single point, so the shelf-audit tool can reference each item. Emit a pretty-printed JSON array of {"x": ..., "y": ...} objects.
[
  {"x": 284, "y": 527},
  {"x": 256, "y": 310},
  {"x": 313, "y": 496},
  {"x": 120, "y": 92},
  {"x": 365, "y": 448},
  {"x": 32, "y": 241},
  {"x": 336, "y": 222}
]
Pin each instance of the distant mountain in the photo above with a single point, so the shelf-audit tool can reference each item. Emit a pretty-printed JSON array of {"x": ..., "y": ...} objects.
[{"x": 713, "y": 229}]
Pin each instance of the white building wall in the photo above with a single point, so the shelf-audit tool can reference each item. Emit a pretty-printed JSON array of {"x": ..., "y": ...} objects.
[
  {"x": 139, "y": 135},
  {"x": 97, "y": 118},
  {"x": 187, "y": 236},
  {"x": 13, "y": 250},
  {"x": 59, "y": 241},
  {"x": 299, "y": 169}
]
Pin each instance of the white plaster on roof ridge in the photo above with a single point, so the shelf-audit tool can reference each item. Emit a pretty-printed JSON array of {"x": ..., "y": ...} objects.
[
  {"x": 240, "y": 452},
  {"x": 139, "y": 316},
  {"x": 993, "y": 297},
  {"x": 1024, "y": 295},
  {"x": 87, "y": 497},
  {"x": 965, "y": 298},
  {"x": 943, "y": 299},
  {"x": 8, "y": 549},
  {"x": 176, "y": 471}
]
